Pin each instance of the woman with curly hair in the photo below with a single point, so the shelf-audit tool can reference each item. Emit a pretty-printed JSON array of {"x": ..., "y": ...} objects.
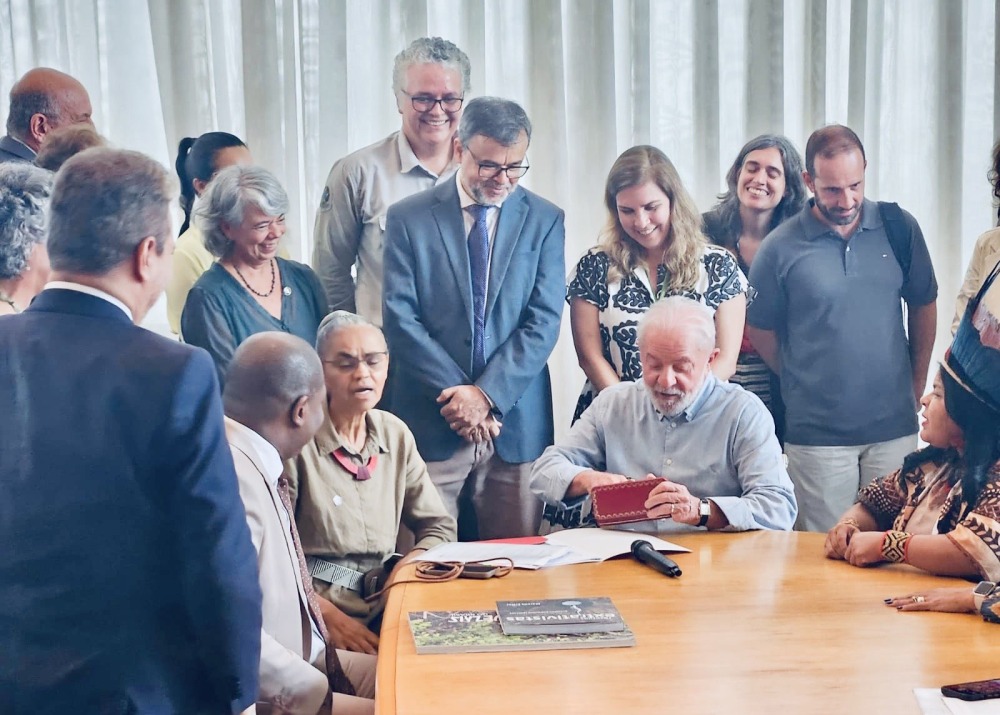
[
  {"x": 24, "y": 259},
  {"x": 652, "y": 248},
  {"x": 765, "y": 188},
  {"x": 986, "y": 254}
]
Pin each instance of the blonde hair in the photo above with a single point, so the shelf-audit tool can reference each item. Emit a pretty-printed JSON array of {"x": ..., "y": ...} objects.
[{"x": 685, "y": 241}]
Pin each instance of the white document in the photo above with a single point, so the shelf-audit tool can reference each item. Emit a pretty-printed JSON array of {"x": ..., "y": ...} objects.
[
  {"x": 602, "y": 544},
  {"x": 525, "y": 556},
  {"x": 933, "y": 703}
]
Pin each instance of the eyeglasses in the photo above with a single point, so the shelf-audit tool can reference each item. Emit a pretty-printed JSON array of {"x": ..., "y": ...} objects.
[
  {"x": 425, "y": 103},
  {"x": 491, "y": 170},
  {"x": 349, "y": 363}
]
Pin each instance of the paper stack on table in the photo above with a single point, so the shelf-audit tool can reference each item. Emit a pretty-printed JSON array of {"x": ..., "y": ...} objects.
[
  {"x": 572, "y": 546},
  {"x": 932, "y": 702}
]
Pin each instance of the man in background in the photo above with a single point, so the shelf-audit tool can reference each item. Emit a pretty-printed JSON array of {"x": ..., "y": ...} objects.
[
  {"x": 42, "y": 100},
  {"x": 429, "y": 80},
  {"x": 474, "y": 291},
  {"x": 128, "y": 582},
  {"x": 828, "y": 319}
]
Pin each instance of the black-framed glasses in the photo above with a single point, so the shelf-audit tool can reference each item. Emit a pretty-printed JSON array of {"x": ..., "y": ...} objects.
[
  {"x": 425, "y": 102},
  {"x": 491, "y": 170},
  {"x": 350, "y": 363}
]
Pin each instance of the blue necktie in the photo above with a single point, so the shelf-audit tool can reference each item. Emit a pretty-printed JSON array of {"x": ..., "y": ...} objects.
[{"x": 479, "y": 254}]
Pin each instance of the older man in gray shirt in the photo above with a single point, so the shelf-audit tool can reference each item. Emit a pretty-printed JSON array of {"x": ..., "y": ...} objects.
[{"x": 712, "y": 441}]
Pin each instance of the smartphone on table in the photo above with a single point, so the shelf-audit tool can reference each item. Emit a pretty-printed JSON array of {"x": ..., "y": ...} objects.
[{"x": 975, "y": 690}]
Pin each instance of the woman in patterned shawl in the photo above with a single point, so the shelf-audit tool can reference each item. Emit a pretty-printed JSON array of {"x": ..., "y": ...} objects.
[
  {"x": 652, "y": 248},
  {"x": 941, "y": 511}
]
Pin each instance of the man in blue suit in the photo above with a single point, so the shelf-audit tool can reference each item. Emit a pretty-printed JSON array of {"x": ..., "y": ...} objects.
[
  {"x": 42, "y": 101},
  {"x": 473, "y": 295},
  {"x": 128, "y": 580}
]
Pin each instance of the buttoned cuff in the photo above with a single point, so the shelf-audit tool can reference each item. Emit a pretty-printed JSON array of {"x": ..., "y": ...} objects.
[{"x": 737, "y": 514}]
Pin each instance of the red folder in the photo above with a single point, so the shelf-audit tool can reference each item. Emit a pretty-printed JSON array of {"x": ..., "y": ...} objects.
[{"x": 622, "y": 503}]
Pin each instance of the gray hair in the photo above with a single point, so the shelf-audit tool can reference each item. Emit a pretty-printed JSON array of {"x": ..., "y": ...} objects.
[
  {"x": 268, "y": 373},
  {"x": 697, "y": 319},
  {"x": 431, "y": 50},
  {"x": 501, "y": 120},
  {"x": 25, "y": 105},
  {"x": 24, "y": 200},
  {"x": 338, "y": 320},
  {"x": 64, "y": 142},
  {"x": 228, "y": 196},
  {"x": 105, "y": 202}
]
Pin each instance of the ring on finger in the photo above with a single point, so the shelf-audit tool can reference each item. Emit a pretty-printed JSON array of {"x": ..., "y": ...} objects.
[{"x": 918, "y": 599}]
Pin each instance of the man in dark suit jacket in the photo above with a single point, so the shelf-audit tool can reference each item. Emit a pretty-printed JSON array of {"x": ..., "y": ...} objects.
[
  {"x": 474, "y": 283},
  {"x": 128, "y": 580},
  {"x": 42, "y": 100}
]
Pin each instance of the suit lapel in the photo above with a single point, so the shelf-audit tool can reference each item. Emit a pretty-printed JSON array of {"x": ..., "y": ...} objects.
[
  {"x": 512, "y": 217},
  {"x": 451, "y": 227},
  {"x": 286, "y": 532}
]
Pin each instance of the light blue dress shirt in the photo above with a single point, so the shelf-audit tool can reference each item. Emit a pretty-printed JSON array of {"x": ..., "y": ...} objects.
[{"x": 722, "y": 448}]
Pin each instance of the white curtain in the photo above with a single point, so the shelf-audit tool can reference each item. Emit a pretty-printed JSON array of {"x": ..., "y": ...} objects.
[{"x": 306, "y": 81}]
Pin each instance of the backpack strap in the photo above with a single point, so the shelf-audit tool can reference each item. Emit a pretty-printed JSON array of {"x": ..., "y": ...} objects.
[{"x": 899, "y": 233}]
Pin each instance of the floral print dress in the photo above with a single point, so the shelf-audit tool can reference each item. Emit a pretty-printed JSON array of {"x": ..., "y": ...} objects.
[{"x": 623, "y": 301}]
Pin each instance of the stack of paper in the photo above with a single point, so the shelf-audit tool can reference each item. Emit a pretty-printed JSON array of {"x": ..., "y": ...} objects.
[
  {"x": 572, "y": 546},
  {"x": 524, "y": 556},
  {"x": 932, "y": 702}
]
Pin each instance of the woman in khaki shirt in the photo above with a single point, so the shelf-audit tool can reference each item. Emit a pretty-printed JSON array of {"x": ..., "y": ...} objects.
[{"x": 356, "y": 482}]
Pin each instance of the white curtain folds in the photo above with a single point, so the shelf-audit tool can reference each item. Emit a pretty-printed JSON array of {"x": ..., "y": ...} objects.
[{"x": 306, "y": 81}]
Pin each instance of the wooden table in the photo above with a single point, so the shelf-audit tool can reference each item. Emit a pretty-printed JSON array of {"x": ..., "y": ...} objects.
[{"x": 760, "y": 622}]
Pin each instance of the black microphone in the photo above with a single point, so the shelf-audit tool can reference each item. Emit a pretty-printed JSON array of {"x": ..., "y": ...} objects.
[{"x": 644, "y": 553}]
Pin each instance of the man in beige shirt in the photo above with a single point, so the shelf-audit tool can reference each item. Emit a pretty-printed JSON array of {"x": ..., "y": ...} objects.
[
  {"x": 357, "y": 481},
  {"x": 429, "y": 80},
  {"x": 274, "y": 401}
]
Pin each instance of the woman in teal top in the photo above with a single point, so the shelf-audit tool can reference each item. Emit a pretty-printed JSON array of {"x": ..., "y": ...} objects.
[{"x": 249, "y": 289}]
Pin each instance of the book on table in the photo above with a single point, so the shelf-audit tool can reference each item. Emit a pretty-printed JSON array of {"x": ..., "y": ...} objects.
[
  {"x": 559, "y": 615},
  {"x": 480, "y": 632}
]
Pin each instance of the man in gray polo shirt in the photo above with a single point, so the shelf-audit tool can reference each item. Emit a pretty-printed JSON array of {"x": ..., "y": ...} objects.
[{"x": 829, "y": 320}]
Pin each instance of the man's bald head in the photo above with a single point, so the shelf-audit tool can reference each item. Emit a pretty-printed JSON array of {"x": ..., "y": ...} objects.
[
  {"x": 45, "y": 99},
  {"x": 269, "y": 372}
]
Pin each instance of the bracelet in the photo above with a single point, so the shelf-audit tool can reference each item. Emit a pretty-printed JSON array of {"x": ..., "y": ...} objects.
[
  {"x": 895, "y": 544},
  {"x": 850, "y": 521}
]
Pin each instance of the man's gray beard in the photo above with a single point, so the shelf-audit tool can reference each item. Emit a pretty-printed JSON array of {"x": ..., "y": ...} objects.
[{"x": 684, "y": 403}]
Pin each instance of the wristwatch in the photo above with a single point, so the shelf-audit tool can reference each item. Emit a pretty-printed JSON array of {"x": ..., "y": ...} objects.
[
  {"x": 705, "y": 510},
  {"x": 984, "y": 588}
]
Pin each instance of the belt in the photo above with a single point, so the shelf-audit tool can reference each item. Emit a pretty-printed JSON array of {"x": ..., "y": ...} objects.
[{"x": 336, "y": 574}]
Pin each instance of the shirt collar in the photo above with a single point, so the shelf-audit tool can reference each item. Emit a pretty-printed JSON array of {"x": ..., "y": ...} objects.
[
  {"x": 812, "y": 227},
  {"x": 26, "y": 147},
  {"x": 408, "y": 160},
  {"x": 89, "y": 290},
  {"x": 328, "y": 440},
  {"x": 263, "y": 452}
]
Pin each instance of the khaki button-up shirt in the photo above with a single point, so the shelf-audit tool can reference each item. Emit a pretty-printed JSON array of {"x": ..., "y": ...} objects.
[{"x": 355, "y": 523}]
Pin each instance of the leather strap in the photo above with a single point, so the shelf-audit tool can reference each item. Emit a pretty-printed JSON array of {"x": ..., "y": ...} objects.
[{"x": 361, "y": 472}]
